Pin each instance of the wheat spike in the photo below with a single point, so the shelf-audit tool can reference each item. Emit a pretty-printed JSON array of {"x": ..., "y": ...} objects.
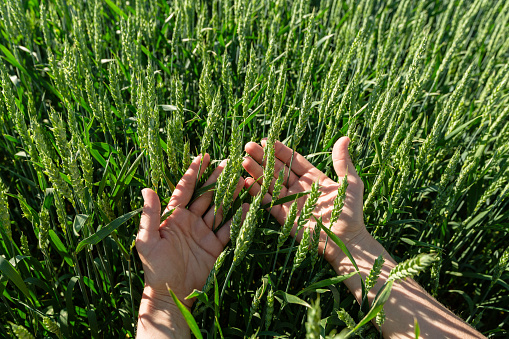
[
  {"x": 21, "y": 332},
  {"x": 500, "y": 267},
  {"x": 372, "y": 278},
  {"x": 411, "y": 267},
  {"x": 380, "y": 317},
  {"x": 5, "y": 220},
  {"x": 346, "y": 318},
  {"x": 313, "y": 320},
  {"x": 278, "y": 185},
  {"x": 247, "y": 231},
  {"x": 235, "y": 226},
  {"x": 52, "y": 327},
  {"x": 309, "y": 207},
  {"x": 257, "y": 298},
  {"x": 288, "y": 225},
  {"x": 302, "y": 249},
  {"x": 339, "y": 201},
  {"x": 270, "y": 307},
  {"x": 24, "y": 244}
]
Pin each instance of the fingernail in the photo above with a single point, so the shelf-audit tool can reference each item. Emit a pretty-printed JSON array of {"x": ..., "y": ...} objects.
[{"x": 144, "y": 193}]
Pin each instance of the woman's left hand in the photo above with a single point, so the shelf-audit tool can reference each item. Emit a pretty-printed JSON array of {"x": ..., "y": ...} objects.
[{"x": 181, "y": 251}]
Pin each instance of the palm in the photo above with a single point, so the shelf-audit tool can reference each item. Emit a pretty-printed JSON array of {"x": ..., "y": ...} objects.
[
  {"x": 180, "y": 252},
  {"x": 301, "y": 177},
  {"x": 195, "y": 250}
]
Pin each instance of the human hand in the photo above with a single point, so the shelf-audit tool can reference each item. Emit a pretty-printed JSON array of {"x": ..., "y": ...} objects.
[
  {"x": 350, "y": 225},
  {"x": 181, "y": 251},
  {"x": 409, "y": 301}
]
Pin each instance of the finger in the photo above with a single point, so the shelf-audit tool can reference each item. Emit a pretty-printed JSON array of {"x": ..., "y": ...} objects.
[
  {"x": 185, "y": 188},
  {"x": 256, "y": 152},
  {"x": 200, "y": 205},
  {"x": 255, "y": 188},
  {"x": 256, "y": 171},
  {"x": 224, "y": 233},
  {"x": 341, "y": 158},
  {"x": 299, "y": 165},
  {"x": 209, "y": 217},
  {"x": 150, "y": 218},
  {"x": 253, "y": 168}
]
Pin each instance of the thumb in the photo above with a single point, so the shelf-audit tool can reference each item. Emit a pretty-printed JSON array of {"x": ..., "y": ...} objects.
[
  {"x": 341, "y": 158},
  {"x": 150, "y": 218}
]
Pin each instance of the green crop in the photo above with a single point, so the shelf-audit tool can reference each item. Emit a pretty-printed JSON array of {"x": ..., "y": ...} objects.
[{"x": 99, "y": 99}]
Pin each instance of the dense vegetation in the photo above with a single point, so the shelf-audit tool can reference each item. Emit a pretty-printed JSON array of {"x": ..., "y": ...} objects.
[{"x": 102, "y": 98}]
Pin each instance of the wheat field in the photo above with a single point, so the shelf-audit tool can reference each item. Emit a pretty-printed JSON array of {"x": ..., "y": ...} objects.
[{"x": 100, "y": 99}]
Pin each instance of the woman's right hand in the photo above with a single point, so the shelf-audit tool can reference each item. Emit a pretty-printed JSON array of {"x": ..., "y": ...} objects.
[{"x": 350, "y": 225}]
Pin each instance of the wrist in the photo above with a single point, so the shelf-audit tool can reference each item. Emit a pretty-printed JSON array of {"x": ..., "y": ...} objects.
[
  {"x": 161, "y": 300},
  {"x": 160, "y": 317},
  {"x": 356, "y": 244}
]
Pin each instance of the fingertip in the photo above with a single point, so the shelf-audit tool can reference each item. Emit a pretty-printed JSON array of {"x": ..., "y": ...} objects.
[
  {"x": 148, "y": 195},
  {"x": 249, "y": 146},
  {"x": 341, "y": 144},
  {"x": 248, "y": 182},
  {"x": 252, "y": 186},
  {"x": 341, "y": 157},
  {"x": 206, "y": 160}
]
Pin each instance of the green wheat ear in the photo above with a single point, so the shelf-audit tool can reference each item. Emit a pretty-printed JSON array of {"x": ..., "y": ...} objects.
[
  {"x": 257, "y": 298},
  {"x": 247, "y": 231},
  {"x": 235, "y": 225},
  {"x": 270, "y": 307},
  {"x": 411, "y": 267},
  {"x": 313, "y": 320},
  {"x": 339, "y": 201},
  {"x": 314, "y": 242},
  {"x": 213, "y": 119},
  {"x": 288, "y": 225},
  {"x": 5, "y": 220},
  {"x": 20, "y": 331},
  {"x": 52, "y": 327},
  {"x": 309, "y": 206},
  {"x": 302, "y": 249},
  {"x": 380, "y": 317},
  {"x": 346, "y": 318},
  {"x": 372, "y": 278},
  {"x": 278, "y": 186},
  {"x": 229, "y": 178},
  {"x": 500, "y": 267}
]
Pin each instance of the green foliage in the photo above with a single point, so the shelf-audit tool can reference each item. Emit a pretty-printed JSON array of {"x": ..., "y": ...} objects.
[{"x": 100, "y": 99}]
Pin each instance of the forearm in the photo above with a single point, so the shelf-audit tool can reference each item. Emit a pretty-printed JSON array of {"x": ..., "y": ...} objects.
[
  {"x": 408, "y": 300},
  {"x": 160, "y": 318}
]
